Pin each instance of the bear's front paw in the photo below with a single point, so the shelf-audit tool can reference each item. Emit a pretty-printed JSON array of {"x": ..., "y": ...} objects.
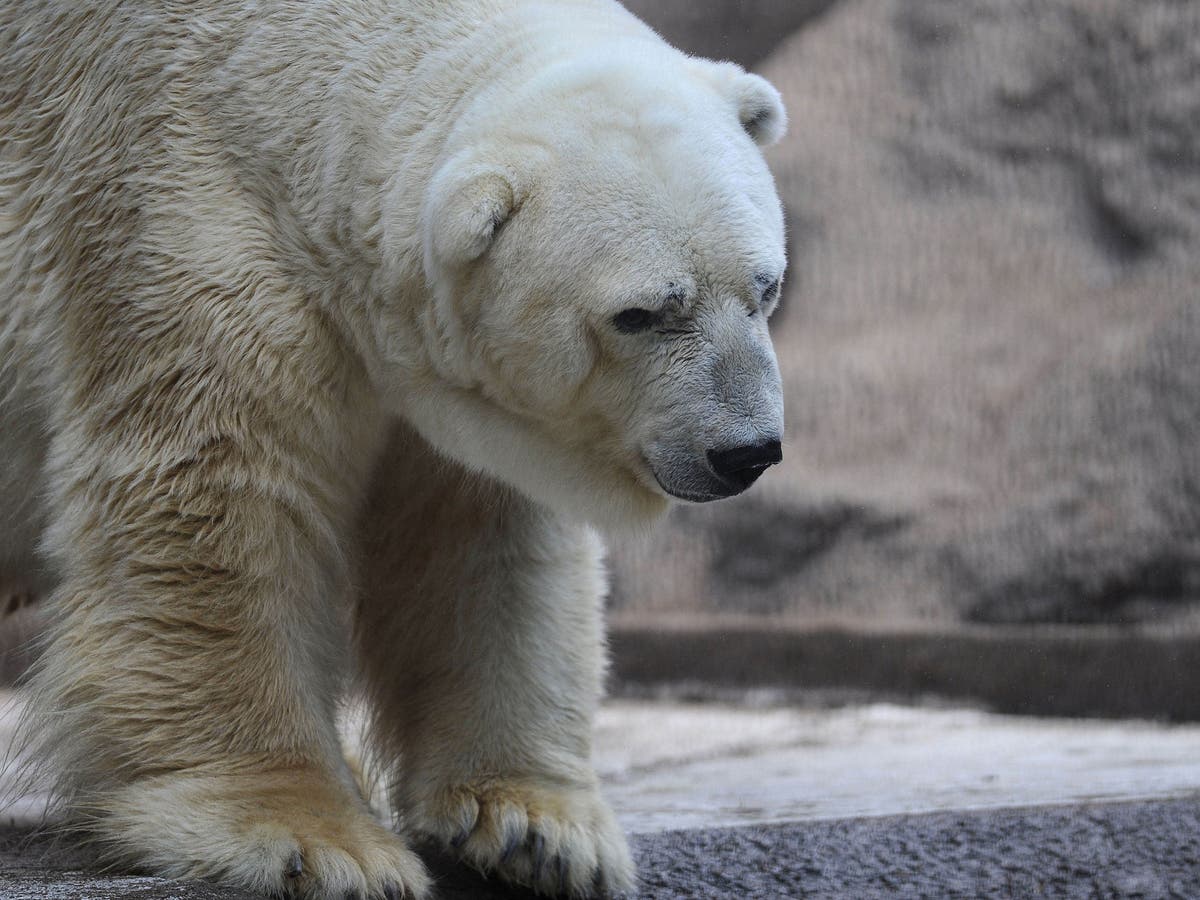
[
  {"x": 285, "y": 833},
  {"x": 560, "y": 840}
]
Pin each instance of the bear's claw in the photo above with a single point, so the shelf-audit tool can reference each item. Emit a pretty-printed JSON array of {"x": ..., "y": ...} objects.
[
  {"x": 510, "y": 846},
  {"x": 539, "y": 856},
  {"x": 562, "y": 874},
  {"x": 557, "y": 840}
]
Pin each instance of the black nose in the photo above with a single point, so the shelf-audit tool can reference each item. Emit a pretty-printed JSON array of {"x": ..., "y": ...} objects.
[{"x": 742, "y": 465}]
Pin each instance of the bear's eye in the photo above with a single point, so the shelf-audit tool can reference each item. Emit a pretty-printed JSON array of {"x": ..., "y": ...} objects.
[
  {"x": 631, "y": 321},
  {"x": 770, "y": 291}
]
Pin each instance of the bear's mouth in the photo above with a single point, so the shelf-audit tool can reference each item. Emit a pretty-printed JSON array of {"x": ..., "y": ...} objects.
[{"x": 699, "y": 485}]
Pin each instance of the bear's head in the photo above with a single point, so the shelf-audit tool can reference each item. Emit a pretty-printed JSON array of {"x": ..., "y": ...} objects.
[{"x": 603, "y": 245}]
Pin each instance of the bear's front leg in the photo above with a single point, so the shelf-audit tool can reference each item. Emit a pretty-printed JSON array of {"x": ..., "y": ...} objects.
[
  {"x": 481, "y": 637},
  {"x": 187, "y": 696}
]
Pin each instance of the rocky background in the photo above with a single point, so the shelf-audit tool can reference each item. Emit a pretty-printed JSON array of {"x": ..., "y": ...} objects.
[{"x": 990, "y": 334}]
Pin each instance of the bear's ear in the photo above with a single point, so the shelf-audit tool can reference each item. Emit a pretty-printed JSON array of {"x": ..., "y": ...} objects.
[
  {"x": 465, "y": 207},
  {"x": 760, "y": 108}
]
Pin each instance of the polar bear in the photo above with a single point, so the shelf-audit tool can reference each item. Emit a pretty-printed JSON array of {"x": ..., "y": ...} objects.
[{"x": 331, "y": 333}]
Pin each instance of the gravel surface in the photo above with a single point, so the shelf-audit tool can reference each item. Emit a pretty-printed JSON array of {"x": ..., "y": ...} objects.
[{"x": 1144, "y": 849}]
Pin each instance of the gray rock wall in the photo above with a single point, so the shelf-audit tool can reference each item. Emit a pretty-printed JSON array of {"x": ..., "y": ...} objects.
[
  {"x": 991, "y": 329},
  {"x": 745, "y": 31}
]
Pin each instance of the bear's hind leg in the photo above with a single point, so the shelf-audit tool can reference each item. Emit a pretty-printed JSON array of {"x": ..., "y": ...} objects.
[{"x": 481, "y": 639}]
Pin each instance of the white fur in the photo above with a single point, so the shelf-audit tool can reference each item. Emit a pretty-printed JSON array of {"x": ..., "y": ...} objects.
[{"x": 264, "y": 264}]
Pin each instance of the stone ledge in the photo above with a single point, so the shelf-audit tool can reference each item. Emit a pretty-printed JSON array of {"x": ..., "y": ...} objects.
[{"x": 1055, "y": 671}]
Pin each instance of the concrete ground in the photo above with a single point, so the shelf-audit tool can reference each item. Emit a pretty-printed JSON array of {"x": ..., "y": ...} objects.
[
  {"x": 765, "y": 800},
  {"x": 677, "y": 766}
]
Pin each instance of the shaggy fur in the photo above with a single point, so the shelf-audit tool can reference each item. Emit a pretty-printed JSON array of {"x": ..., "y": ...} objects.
[{"x": 301, "y": 295}]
